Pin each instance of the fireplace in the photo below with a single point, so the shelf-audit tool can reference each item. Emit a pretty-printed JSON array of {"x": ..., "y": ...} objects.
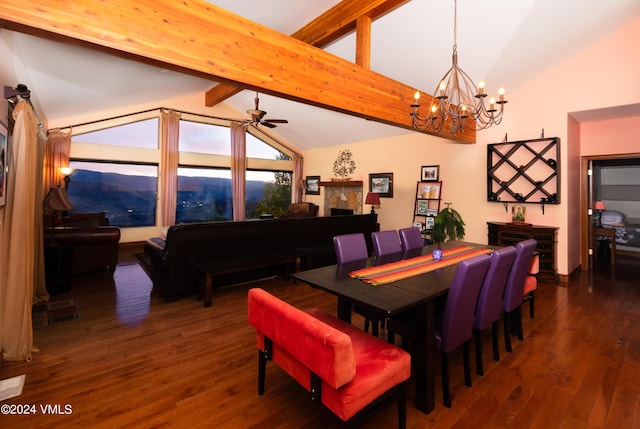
[
  {"x": 342, "y": 197},
  {"x": 341, "y": 212}
]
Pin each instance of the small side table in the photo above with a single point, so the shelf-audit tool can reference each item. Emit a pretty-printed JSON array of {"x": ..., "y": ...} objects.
[
  {"x": 599, "y": 231},
  {"x": 57, "y": 267}
]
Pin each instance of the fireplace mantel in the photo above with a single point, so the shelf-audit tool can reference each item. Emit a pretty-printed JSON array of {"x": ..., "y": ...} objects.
[{"x": 343, "y": 183}]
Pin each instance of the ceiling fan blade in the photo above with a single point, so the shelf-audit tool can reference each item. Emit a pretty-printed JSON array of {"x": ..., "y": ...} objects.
[
  {"x": 267, "y": 124},
  {"x": 277, "y": 121}
]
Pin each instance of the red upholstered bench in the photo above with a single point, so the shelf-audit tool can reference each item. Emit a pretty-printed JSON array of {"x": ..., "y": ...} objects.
[{"x": 343, "y": 367}]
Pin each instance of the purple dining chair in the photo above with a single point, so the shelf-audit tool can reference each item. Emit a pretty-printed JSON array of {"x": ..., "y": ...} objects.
[
  {"x": 350, "y": 248},
  {"x": 490, "y": 300},
  {"x": 353, "y": 248},
  {"x": 410, "y": 238},
  {"x": 455, "y": 327},
  {"x": 386, "y": 243},
  {"x": 514, "y": 289}
]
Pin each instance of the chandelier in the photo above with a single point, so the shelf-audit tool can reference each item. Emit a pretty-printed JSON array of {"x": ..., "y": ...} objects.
[{"x": 457, "y": 100}]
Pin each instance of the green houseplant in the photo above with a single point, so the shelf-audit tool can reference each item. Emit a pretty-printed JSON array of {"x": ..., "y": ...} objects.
[{"x": 448, "y": 224}]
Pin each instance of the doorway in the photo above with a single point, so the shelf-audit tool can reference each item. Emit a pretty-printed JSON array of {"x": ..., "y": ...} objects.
[{"x": 623, "y": 196}]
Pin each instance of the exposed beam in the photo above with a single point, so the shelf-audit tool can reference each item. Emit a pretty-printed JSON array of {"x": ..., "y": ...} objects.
[
  {"x": 363, "y": 42},
  {"x": 325, "y": 29},
  {"x": 341, "y": 20},
  {"x": 199, "y": 38}
]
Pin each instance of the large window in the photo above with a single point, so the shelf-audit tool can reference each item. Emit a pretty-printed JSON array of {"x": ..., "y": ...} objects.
[
  {"x": 203, "y": 194},
  {"x": 204, "y": 177},
  {"x": 268, "y": 192},
  {"x": 127, "y": 193},
  {"x": 117, "y": 170},
  {"x": 206, "y": 138},
  {"x": 140, "y": 134}
]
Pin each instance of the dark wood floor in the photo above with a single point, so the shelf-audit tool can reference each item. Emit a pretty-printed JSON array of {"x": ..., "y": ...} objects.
[{"x": 132, "y": 360}]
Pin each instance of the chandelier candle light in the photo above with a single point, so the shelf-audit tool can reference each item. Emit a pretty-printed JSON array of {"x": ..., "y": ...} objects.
[{"x": 456, "y": 99}]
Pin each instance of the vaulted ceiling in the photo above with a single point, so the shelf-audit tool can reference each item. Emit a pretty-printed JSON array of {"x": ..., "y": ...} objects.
[{"x": 501, "y": 41}]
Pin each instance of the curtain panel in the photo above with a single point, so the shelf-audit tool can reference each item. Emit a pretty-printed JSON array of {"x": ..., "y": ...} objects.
[
  {"x": 56, "y": 156},
  {"x": 170, "y": 157},
  {"x": 21, "y": 248},
  {"x": 238, "y": 170}
]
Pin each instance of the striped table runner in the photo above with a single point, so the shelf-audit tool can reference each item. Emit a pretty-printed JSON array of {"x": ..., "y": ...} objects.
[{"x": 394, "y": 271}]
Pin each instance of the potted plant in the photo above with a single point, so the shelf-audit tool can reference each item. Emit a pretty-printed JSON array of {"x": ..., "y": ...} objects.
[{"x": 448, "y": 225}]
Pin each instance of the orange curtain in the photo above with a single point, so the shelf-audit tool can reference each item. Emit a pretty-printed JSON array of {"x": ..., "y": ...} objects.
[
  {"x": 169, "y": 165},
  {"x": 21, "y": 244},
  {"x": 56, "y": 156},
  {"x": 238, "y": 170}
]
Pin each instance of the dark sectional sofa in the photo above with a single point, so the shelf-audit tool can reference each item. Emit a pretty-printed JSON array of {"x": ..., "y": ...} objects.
[{"x": 243, "y": 251}]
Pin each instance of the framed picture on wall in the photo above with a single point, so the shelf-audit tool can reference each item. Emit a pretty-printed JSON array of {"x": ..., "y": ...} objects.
[
  {"x": 4, "y": 158},
  {"x": 382, "y": 184},
  {"x": 312, "y": 184},
  {"x": 429, "y": 173}
]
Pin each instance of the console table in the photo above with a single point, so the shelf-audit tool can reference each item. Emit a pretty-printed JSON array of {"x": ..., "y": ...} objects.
[{"x": 507, "y": 234}]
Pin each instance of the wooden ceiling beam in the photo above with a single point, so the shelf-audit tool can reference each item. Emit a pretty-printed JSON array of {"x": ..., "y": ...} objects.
[
  {"x": 342, "y": 19},
  {"x": 198, "y": 38},
  {"x": 338, "y": 21},
  {"x": 363, "y": 42}
]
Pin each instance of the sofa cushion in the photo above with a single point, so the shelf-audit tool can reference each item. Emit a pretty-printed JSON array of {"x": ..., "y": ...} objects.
[
  {"x": 297, "y": 210},
  {"x": 155, "y": 248}
]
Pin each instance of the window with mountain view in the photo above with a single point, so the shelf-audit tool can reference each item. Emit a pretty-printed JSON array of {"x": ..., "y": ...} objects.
[
  {"x": 113, "y": 181},
  {"x": 116, "y": 171},
  {"x": 204, "y": 187},
  {"x": 127, "y": 193}
]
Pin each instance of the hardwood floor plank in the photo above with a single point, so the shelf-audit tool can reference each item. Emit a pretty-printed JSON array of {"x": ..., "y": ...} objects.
[{"x": 623, "y": 410}]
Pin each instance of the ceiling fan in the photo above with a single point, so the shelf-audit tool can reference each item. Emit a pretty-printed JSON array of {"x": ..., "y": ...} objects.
[{"x": 257, "y": 115}]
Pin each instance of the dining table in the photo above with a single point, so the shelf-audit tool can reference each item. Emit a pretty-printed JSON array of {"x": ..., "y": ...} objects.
[{"x": 409, "y": 283}]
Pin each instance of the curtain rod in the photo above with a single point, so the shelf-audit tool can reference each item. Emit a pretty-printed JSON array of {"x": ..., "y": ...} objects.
[
  {"x": 160, "y": 109},
  {"x": 23, "y": 91}
]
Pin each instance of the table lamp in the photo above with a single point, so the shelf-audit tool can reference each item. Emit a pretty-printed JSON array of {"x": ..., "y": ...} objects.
[
  {"x": 374, "y": 199},
  {"x": 600, "y": 206},
  {"x": 58, "y": 201}
]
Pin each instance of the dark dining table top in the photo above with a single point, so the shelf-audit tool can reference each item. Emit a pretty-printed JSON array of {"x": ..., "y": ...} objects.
[{"x": 391, "y": 298}]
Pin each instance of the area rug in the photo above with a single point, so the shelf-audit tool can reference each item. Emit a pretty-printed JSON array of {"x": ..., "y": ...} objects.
[{"x": 50, "y": 313}]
